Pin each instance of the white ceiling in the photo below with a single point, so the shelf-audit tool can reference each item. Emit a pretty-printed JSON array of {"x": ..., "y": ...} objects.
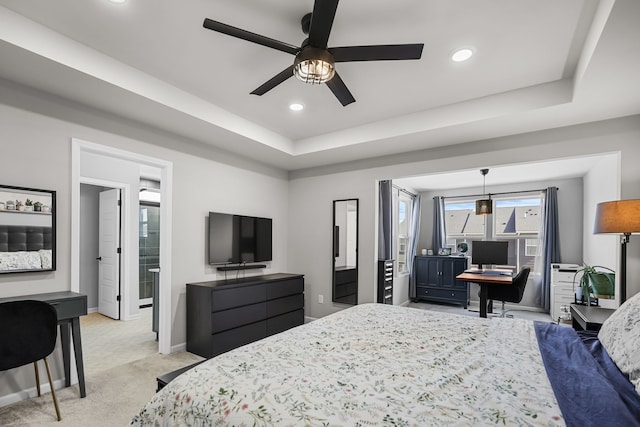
[{"x": 539, "y": 64}]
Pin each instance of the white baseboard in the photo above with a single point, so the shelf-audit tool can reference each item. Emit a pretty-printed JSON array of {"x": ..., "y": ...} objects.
[
  {"x": 308, "y": 319},
  {"x": 92, "y": 310},
  {"x": 29, "y": 393},
  {"x": 178, "y": 347}
]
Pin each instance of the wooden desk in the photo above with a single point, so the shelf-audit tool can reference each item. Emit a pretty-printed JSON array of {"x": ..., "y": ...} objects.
[
  {"x": 589, "y": 318},
  {"x": 69, "y": 306},
  {"x": 484, "y": 280}
]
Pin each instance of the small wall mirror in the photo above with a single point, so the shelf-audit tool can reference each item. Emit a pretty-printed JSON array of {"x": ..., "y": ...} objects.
[
  {"x": 345, "y": 251},
  {"x": 27, "y": 230}
]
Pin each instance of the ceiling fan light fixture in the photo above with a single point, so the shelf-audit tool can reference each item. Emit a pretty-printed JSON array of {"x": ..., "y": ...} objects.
[{"x": 314, "y": 66}]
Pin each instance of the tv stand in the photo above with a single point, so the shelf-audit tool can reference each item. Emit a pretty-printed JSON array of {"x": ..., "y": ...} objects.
[{"x": 241, "y": 267}]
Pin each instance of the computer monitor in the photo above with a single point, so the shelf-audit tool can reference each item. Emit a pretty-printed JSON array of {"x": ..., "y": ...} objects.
[{"x": 489, "y": 252}]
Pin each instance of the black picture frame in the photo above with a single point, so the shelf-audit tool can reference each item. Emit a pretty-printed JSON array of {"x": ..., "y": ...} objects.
[{"x": 27, "y": 230}]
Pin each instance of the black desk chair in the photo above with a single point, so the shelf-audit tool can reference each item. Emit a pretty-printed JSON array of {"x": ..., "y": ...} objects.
[
  {"x": 509, "y": 293},
  {"x": 28, "y": 333}
]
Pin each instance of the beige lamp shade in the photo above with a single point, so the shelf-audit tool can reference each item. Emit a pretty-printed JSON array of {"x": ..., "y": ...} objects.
[{"x": 621, "y": 216}]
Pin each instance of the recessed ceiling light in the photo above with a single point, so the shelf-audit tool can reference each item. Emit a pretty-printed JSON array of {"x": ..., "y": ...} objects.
[
  {"x": 117, "y": 1},
  {"x": 296, "y": 107},
  {"x": 461, "y": 55}
]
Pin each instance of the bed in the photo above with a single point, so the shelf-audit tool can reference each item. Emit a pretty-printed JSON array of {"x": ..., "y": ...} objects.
[
  {"x": 382, "y": 365},
  {"x": 25, "y": 248}
]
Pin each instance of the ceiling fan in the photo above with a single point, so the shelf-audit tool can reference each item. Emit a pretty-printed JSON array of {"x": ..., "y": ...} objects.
[{"x": 315, "y": 62}]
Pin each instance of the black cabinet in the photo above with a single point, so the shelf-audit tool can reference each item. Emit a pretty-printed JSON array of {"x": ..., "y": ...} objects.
[
  {"x": 345, "y": 286},
  {"x": 225, "y": 314},
  {"x": 385, "y": 281},
  {"x": 436, "y": 279}
]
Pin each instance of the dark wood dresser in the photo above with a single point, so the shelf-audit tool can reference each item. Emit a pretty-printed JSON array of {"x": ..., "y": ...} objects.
[
  {"x": 225, "y": 314},
  {"x": 436, "y": 279}
]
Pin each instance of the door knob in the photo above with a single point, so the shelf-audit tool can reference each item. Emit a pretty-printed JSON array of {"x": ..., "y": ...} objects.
[{"x": 99, "y": 258}]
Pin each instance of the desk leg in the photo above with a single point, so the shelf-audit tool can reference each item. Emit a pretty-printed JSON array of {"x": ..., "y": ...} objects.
[
  {"x": 77, "y": 349},
  {"x": 484, "y": 292},
  {"x": 64, "y": 340}
]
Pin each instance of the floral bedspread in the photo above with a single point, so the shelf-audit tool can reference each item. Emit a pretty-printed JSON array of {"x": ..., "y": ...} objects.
[{"x": 369, "y": 365}]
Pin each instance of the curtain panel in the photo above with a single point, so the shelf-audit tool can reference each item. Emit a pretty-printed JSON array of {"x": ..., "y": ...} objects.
[
  {"x": 439, "y": 231},
  {"x": 550, "y": 243}
]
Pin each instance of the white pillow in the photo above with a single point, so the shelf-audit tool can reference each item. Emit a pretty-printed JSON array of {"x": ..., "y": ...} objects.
[
  {"x": 45, "y": 256},
  {"x": 620, "y": 335},
  {"x": 20, "y": 260}
]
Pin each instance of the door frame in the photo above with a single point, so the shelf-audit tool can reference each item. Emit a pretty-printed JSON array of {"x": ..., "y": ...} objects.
[{"x": 78, "y": 147}]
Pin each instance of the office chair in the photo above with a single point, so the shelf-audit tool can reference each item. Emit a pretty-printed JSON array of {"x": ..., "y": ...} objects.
[
  {"x": 509, "y": 293},
  {"x": 28, "y": 334}
]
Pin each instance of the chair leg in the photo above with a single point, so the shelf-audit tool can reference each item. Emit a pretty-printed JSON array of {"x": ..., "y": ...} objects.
[
  {"x": 35, "y": 365},
  {"x": 53, "y": 392}
]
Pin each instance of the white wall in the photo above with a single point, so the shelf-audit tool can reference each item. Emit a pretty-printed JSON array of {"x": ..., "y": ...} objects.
[{"x": 602, "y": 184}]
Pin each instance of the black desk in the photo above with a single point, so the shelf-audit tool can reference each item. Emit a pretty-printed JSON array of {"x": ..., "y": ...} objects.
[
  {"x": 589, "y": 318},
  {"x": 69, "y": 306}
]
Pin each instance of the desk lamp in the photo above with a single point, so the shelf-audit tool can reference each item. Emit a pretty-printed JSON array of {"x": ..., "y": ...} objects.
[{"x": 619, "y": 217}]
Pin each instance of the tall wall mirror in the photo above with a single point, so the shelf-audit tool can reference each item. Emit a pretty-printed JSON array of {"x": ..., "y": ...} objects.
[
  {"x": 345, "y": 251},
  {"x": 27, "y": 230}
]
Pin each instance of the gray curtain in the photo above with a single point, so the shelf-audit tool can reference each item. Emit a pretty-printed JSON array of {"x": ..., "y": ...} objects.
[
  {"x": 385, "y": 224},
  {"x": 439, "y": 232},
  {"x": 550, "y": 243},
  {"x": 413, "y": 244}
]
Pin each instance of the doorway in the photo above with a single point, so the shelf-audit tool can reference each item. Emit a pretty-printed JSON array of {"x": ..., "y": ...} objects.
[{"x": 109, "y": 167}]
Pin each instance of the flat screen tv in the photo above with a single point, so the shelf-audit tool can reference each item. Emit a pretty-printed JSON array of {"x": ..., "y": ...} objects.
[
  {"x": 238, "y": 239},
  {"x": 486, "y": 252}
]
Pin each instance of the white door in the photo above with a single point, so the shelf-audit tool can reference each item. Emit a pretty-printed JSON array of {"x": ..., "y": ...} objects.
[{"x": 109, "y": 258}]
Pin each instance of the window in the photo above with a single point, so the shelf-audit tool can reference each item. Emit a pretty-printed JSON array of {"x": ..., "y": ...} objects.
[
  {"x": 403, "y": 205},
  {"x": 516, "y": 219}
]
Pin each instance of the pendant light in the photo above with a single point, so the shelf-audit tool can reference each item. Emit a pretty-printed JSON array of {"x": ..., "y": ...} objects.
[{"x": 484, "y": 206}]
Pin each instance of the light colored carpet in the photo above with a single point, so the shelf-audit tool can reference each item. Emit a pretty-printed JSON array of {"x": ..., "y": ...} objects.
[
  {"x": 114, "y": 396},
  {"x": 121, "y": 363},
  {"x": 473, "y": 310},
  {"x": 107, "y": 343}
]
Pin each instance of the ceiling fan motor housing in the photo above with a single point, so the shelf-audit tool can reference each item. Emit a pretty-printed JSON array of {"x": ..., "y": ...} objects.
[{"x": 313, "y": 65}]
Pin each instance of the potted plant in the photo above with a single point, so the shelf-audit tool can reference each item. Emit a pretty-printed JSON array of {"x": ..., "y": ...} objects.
[
  {"x": 28, "y": 205},
  {"x": 37, "y": 206},
  {"x": 595, "y": 281},
  {"x": 19, "y": 206}
]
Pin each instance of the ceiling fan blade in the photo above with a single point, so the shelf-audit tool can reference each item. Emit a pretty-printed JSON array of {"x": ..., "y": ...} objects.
[
  {"x": 340, "y": 90},
  {"x": 249, "y": 36},
  {"x": 274, "y": 81},
  {"x": 388, "y": 52},
  {"x": 321, "y": 22}
]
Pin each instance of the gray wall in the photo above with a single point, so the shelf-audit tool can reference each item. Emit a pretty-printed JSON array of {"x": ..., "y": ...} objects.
[{"x": 311, "y": 192}]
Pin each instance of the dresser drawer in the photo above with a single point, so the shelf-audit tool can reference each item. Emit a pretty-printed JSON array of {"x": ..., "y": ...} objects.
[
  {"x": 284, "y": 305},
  {"x": 284, "y": 288},
  {"x": 228, "y": 340},
  {"x": 224, "y": 299},
  {"x": 228, "y": 319},
  {"x": 285, "y": 321},
  {"x": 441, "y": 294}
]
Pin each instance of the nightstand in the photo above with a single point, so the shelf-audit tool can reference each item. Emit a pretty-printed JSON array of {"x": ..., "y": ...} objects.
[{"x": 589, "y": 318}]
